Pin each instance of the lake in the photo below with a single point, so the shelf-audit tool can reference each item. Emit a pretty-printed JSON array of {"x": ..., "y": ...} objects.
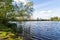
[{"x": 41, "y": 30}]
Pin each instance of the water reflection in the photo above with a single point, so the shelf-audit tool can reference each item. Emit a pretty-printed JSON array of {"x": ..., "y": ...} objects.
[{"x": 40, "y": 30}]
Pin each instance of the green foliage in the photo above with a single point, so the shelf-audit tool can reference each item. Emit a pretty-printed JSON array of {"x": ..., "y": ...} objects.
[
  {"x": 7, "y": 34},
  {"x": 10, "y": 11},
  {"x": 4, "y": 28},
  {"x": 55, "y": 19},
  {"x": 23, "y": 10},
  {"x": 5, "y": 7}
]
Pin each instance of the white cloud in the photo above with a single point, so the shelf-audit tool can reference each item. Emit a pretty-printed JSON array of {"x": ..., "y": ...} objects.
[
  {"x": 23, "y": 1},
  {"x": 42, "y": 4},
  {"x": 45, "y": 12},
  {"x": 20, "y": 0},
  {"x": 49, "y": 11}
]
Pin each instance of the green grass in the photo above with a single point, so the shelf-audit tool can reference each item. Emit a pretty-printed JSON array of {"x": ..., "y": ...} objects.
[
  {"x": 7, "y": 34},
  {"x": 4, "y": 28}
]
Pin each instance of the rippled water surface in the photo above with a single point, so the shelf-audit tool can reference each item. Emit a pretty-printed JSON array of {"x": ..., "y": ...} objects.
[
  {"x": 44, "y": 30},
  {"x": 41, "y": 30}
]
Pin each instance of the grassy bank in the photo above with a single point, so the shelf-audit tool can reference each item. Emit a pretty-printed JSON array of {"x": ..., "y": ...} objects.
[{"x": 7, "y": 33}]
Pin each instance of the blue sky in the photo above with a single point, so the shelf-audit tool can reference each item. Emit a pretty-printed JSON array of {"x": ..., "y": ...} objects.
[{"x": 46, "y": 8}]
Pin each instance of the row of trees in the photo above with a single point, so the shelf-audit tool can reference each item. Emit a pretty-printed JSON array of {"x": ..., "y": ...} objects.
[
  {"x": 9, "y": 10},
  {"x": 55, "y": 19}
]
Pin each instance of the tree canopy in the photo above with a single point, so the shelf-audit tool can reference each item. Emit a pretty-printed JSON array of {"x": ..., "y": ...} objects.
[{"x": 10, "y": 9}]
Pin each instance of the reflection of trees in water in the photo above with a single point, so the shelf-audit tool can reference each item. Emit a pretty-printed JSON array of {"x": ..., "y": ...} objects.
[
  {"x": 16, "y": 27},
  {"x": 26, "y": 32},
  {"x": 19, "y": 28}
]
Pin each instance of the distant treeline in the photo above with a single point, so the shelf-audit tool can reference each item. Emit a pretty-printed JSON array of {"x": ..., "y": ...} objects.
[
  {"x": 55, "y": 18},
  {"x": 50, "y": 19}
]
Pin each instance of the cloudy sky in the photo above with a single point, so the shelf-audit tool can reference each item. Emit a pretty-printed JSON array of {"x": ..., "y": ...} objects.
[{"x": 45, "y": 8}]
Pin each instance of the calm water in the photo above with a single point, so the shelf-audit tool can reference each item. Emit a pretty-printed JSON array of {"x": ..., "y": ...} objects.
[{"x": 42, "y": 30}]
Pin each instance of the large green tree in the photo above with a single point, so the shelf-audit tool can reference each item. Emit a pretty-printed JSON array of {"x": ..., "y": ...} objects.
[
  {"x": 22, "y": 10},
  {"x": 10, "y": 9},
  {"x": 5, "y": 7}
]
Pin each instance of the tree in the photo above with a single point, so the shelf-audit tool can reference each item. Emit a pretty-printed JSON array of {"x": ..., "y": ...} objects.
[
  {"x": 8, "y": 10},
  {"x": 23, "y": 10},
  {"x": 55, "y": 19},
  {"x": 5, "y": 7}
]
